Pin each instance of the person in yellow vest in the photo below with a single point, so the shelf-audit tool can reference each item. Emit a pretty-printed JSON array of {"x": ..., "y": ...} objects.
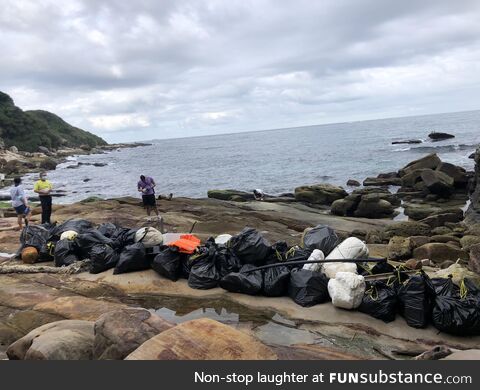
[{"x": 44, "y": 188}]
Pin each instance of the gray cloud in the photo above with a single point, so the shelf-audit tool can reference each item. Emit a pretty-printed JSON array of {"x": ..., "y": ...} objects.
[{"x": 151, "y": 69}]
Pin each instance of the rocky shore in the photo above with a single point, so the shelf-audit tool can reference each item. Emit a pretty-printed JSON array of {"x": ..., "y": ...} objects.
[{"x": 77, "y": 315}]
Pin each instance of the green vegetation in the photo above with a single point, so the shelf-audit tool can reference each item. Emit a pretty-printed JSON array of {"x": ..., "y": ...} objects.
[{"x": 27, "y": 130}]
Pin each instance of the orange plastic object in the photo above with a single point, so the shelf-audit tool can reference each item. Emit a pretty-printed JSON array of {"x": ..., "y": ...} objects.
[{"x": 186, "y": 244}]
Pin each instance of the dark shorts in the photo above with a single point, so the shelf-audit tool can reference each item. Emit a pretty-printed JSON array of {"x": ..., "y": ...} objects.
[
  {"x": 149, "y": 200},
  {"x": 22, "y": 210}
]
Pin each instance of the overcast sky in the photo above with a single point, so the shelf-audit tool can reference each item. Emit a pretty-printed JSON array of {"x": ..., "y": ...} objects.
[{"x": 144, "y": 69}]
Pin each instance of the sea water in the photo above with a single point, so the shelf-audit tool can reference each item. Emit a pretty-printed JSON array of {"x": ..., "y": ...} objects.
[{"x": 276, "y": 161}]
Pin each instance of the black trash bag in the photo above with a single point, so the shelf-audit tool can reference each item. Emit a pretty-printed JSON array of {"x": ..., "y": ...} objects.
[
  {"x": 456, "y": 310},
  {"x": 108, "y": 229},
  {"x": 35, "y": 236},
  {"x": 363, "y": 269},
  {"x": 168, "y": 262},
  {"x": 295, "y": 253},
  {"x": 47, "y": 252},
  {"x": 132, "y": 258},
  {"x": 86, "y": 241},
  {"x": 65, "y": 254},
  {"x": 321, "y": 237},
  {"x": 123, "y": 237},
  {"x": 382, "y": 267},
  {"x": 379, "y": 301},
  {"x": 277, "y": 252},
  {"x": 445, "y": 286},
  {"x": 204, "y": 274},
  {"x": 250, "y": 246},
  {"x": 308, "y": 288},
  {"x": 103, "y": 257},
  {"x": 78, "y": 225},
  {"x": 243, "y": 282},
  {"x": 275, "y": 281},
  {"x": 226, "y": 261},
  {"x": 415, "y": 297}
]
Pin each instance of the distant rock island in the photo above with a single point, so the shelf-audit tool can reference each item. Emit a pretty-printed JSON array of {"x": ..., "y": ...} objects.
[{"x": 32, "y": 130}]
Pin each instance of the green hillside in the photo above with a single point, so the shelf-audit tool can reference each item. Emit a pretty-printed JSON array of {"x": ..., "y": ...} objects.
[{"x": 27, "y": 130}]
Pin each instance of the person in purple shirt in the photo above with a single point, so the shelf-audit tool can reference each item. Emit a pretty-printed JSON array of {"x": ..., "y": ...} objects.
[{"x": 146, "y": 186}]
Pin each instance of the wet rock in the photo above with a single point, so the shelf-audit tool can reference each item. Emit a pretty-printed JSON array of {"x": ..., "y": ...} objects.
[
  {"x": 372, "y": 206},
  {"x": 407, "y": 141},
  {"x": 474, "y": 261},
  {"x": 438, "y": 182},
  {"x": 417, "y": 241},
  {"x": 407, "y": 229},
  {"x": 468, "y": 241},
  {"x": 458, "y": 174},
  {"x": 120, "y": 332},
  {"x": 229, "y": 194},
  {"x": 445, "y": 238},
  {"x": 446, "y": 264},
  {"x": 439, "y": 252},
  {"x": 62, "y": 340},
  {"x": 343, "y": 207},
  {"x": 414, "y": 264},
  {"x": 431, "y": 161},
  {"x": 202, "y": 339},
  {"x": 322, "y": 194},
  {"x": 472, "y": 214},
  {"x": 472, "y": 155},
  {"x": 353, "y": 183},
  {"x": 440, "y": 219},
  {"x": 441, "y": 230},
  {"x": 439, "y": 136},
  {"x": 399, "y": 248},
  {"x": 378, "y": 181},
  {"x": 411, "y": 178}
]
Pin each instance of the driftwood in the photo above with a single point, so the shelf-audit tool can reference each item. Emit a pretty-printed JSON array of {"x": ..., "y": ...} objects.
[{"x": 75, "y": 268}]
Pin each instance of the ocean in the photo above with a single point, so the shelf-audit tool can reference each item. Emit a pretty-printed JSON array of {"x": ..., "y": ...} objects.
[{"x": 276, "y": 161}]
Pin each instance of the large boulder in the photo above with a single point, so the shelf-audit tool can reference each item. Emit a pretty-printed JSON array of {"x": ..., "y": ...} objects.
[
  {"x": 412, "y": 178},
  {"x": 120, "y": 332},
  {"x": 459, "y": 174},
  {"x": 458, "y": 273},
  {"x": 419, "y": 211},
  {"x": 438, "y": 182},
  {"x": 344, "y": 207},
  {"x": 431, "y": 161},
  {"x": 372, "y": 206},
  {"x": 399, "y": 248},
  {"x": 407, "y": 229},
  {"x": 439, "y": 136},
  {"x": 439, "y": 252},
  {"x": 233, "y": 195},
  {"x": 322, "y": 194},
  {"x": 202, "y": 339},
  {"x": 61, "y": 340}
]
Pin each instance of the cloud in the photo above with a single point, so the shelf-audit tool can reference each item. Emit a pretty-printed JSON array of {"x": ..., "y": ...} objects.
[{"x": 150, "y": 69}]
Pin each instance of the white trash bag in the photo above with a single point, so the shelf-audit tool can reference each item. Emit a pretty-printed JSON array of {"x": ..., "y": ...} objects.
[
  {"x": 149, "y": 237},
  {"x": 346, "y": 290},
  {"x": 222, "y": 239},
  {"x": 351, "y": 248},
  {"x": 69, "y": 235},
  {"x": 317, "y": 254}
]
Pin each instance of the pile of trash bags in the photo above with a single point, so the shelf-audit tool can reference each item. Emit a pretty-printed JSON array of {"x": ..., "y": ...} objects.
[{"x": 247, "y": 263}]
